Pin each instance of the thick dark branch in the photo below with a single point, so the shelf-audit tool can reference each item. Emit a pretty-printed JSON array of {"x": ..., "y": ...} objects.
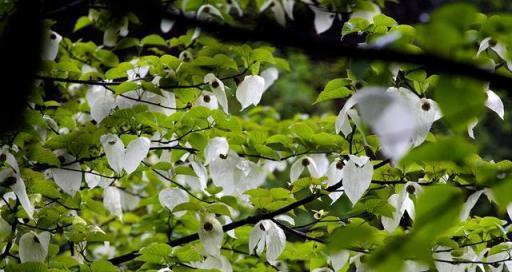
[{"x": 325, "y": 48}]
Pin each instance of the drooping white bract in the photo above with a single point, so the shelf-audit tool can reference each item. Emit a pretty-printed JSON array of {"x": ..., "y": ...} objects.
[
  {"x": 68, "y": 178},
  {"x": 50, "y": 45},
  {"x": 270, "y": 75},
  {"x": 120, "y": 158},
  {"x": 198, "y": 182},
  {"x": 278, "y": 10},
  {"x": 288, "y": 8},
  {"x": 33, "y": 247},
  {"x": 389, "y": 116},
  {"x": 323, "y": 19},
  {"x": 357, "y": 176},
  {"x": 402, "y": 203},
  {"x": 216, "y": 147},
  {"x": 119, "y": 28},
  {"x": 172, "y": 197},
  {"x": 270, "y": 166},
  {"x": 208, "y": 100},
  {"x": 469, "y": 204},
  {"x": 339, "y": 259},
  {"x": 250, "y": 90},
  {"x": 316, "y": 164},
  {"x": 166, "y": 25},
  {"x": 94, "y": 179},
  {"x": 211, "y": 235},
  {"x": 218, "y": 88},
  {"x": 101, "y": 102},
  {"x": 18, "y": 187},
  {"x": 335, "y": 175},
  {"x": 220, "y": 263},
  {"x": 499, "y": 48},
  {"x": 236, "y": 175},
  {"x": 267, "y": 235},
  {"x": 208, "y": 11},
  {"x": 112, "y": 201},
  {"x": 495, "y": 104},
  {"x": 233, "y": 4},
  {"x": 426, "y": 112}
]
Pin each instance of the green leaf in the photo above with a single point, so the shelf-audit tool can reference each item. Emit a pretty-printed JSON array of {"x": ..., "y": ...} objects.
[
  {"x": 334, "y": 89},
  {"x": 460, "y": 100},
  {"x": 103, "y": 266},
  {"x": 355, "y": 234},
  {"x": 447, "y": 149},
  {"x": 155, "y": 253},
  {"x": 126, "y": 87},
  {"x": 43, "y": 155},
  {"x": 81, "y": 23},
  {"x": 153, "y": 39}
]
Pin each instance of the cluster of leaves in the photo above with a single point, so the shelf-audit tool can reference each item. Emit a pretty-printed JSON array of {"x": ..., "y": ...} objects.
[{"x": 152, "y": 153}]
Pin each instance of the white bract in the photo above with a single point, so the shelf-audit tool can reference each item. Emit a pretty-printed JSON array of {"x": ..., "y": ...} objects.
[
  {"x": 120, "y": 158},
  {"x": 220, "y": 263},
  {"x": 495, "y": 104},
  {"x": 33, "y": 247},
  {"x": 270, "y": 75},
  {"x": 211, "y": 235},
  {"x": 236, "y": 175},
  {"x": 323, "y": 19},
  {"x": 250, "y": 91},
  {"x": 469, "y": 204},
  {"x": 216, "y": 147},
  {"x": 15, "y": 181},
  {"x": 267, "y": 235},
  {"x": 218, "y": 88},
  {"x": 208, "y": 100},
  {"x": 357, "y": 176},
  {"x": 389, "y": 116},
  {"x": 278, "y": 10},
  {"x": 68, "y": 178},
  {"x": 166, "y": 25},
  {"x": 172, "y": 197},
  {"x": 208, "y": 12},
  {"x": 339, "y": 259},
  {"x": 335, "y": 175},
  {"x": 499, "y": 48},
  {"x": 401, "y": 203},
  {"x": 112, "y": 201},
  {"x": 50, "y": 45},
  {"x": 316, "y": 164},
  {"x": 101, "y": 102}
]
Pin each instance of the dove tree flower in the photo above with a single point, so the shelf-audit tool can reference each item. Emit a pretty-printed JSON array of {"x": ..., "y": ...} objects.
[
  {"x": 33, "y": 247},
  {"x": 316, "y": 164},
  {"x": 267, "y": 235},
  {"x": 128, "y": 158},
  {"x": 250, "y": 91},
  {"x": 51, "y": 41},
  {"x": 323, "y": 19},
  {"x": 211, "y": 235},
  {"x": 357, "y": 177},
  {"x": 218, "y": 89},
  {"x": 493, "y": 103},
  {"x": 499, "y": 48}
]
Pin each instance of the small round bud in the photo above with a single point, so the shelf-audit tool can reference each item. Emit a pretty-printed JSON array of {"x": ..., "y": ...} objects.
[
  {"x": 493, "y": 42},
  {"x": 208, "y": 226},
  {"x": 61, "y": 159},
  {"x": 262, "y": 227},
  {"x": 206, "y": 98},
  {"x": 425, "y": 106},
  {"x": 410, "y": 189},
  {"x": 53, "y": 36},
  {"x": 215, "y": 84},
  {"x": 189, "y": 105},
  {"x": 305, "y": 162},
  {"x": 223, "y": 156},
  {"x": 339, "y": 165},
  {"x": 9, "y": 181},
  {"x": 112, "y": 142}
]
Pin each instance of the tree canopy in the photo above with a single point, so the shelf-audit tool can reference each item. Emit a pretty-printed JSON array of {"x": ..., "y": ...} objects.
[{"x": 258, "y": 135}]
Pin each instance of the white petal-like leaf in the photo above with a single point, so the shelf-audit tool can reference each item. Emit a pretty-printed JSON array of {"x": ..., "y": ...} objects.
[
  {"x": 135, "y": 152},
  {"x": 69, "y": 181},
  {"x": 21, "y": 193},
  {"x": 172, "y": 197},
  {"x": 114, "y": 150},
  {"x": 356, "y": 179},
  {"x": 250, "y": 90},
  {"x": 269, "y": 75},
  {"x": 211, "y": 235},
  {"x": 166, "y": 25},
  {"x": 323, "y": 19},
  {"x": 216, "y": 146},
  {"x": 51, "y": 41},
  {"x": 33, "y": 247},
  {"x": 112, "y": 201},
  {"x": 495, "y": 104},
  {"x": 469, "y": 204}
]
